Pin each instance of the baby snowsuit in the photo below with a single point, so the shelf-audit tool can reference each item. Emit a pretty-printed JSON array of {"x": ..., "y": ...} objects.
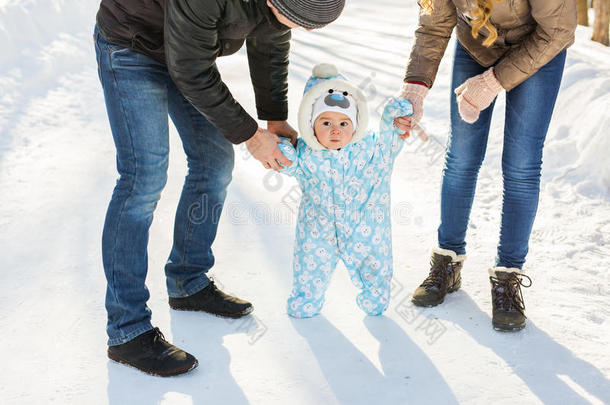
[{"x": 345, "y": 206}]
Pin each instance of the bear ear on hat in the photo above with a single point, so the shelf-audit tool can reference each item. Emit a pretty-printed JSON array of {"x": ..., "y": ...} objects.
[{"x": 324, "y": 70}]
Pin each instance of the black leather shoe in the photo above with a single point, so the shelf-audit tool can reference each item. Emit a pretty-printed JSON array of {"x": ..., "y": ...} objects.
[
  {"x": 444, "y": 277},
  {"x": 151, "y": 353},
  {"x": 213, "y": 301},
  {"x": 507, "y": 299}
]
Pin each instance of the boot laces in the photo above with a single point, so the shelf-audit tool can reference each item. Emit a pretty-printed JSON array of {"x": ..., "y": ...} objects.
[
  {"x": 507, "y": 291},
  {"x": 440, "y": 272},
  {"x": 157, "y": 336},
  {"x": 212, "y": 284}
]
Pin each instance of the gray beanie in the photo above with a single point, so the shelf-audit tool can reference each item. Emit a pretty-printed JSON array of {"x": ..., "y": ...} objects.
[{"x": 310, "y": 13}]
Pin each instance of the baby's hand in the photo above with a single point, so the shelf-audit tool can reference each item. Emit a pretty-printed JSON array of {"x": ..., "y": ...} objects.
[
  {"x": 290, "y": 153},
  {"x": 398, "y": 112},
  {"x": 403, "y": 124}
]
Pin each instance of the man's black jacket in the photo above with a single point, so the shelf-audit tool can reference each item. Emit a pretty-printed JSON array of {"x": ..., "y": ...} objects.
[{"x": 188, "y": 35}]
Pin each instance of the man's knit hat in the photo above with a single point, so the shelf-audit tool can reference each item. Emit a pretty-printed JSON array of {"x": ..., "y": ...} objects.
[
  {"x": 328, "y": 90},
  {"x": 310, "y": 13}
]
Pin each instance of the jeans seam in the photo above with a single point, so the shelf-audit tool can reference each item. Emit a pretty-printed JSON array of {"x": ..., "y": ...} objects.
[
  {"x": 98, "y": 50},
  {"x": 199, "y": 193},
  {"x": 129, "y": 130}
]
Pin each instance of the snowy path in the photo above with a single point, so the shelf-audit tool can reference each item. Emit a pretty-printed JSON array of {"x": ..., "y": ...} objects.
[{"x": 57, "y": 173}]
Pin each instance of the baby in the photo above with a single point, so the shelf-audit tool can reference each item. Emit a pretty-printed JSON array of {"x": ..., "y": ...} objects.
[{"x": 344, "y": 174}]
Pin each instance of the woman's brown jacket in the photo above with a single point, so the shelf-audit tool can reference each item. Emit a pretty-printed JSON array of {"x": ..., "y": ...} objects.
[{"x": 530, "y": 34}]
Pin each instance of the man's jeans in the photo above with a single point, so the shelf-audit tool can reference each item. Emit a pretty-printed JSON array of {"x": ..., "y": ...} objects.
[
  {"x": 139, "y": 95},
  {"x": 529, "y": 107}
]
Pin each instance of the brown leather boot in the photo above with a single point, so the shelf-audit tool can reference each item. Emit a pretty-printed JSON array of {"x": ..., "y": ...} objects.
[
  {"x": 444, "y": 277},
  {"x": 507, "y": 299}
]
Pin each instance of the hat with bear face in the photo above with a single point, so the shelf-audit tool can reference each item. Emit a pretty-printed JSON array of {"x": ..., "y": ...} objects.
[{"x": 340, "y": 102}]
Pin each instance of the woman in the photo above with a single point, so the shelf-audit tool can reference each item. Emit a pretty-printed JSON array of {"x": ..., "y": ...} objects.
[{"x": 517, "y": 46}]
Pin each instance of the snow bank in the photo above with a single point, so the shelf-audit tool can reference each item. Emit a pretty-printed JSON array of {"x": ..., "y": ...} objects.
[{"x": 578, "y": 144}]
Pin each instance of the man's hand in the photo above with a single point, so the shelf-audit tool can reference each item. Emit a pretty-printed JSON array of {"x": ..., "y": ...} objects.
[
  {"x": 283, "y": 128},
  {"x": 263, "y": 146}
]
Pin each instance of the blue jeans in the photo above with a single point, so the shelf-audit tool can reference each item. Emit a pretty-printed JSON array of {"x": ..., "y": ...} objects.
[
  {"x": 529, "y": 107},
  {"x": 139, "y": 95}
]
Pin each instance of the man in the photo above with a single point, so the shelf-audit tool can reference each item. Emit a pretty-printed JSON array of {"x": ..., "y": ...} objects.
[{"x": 157, "y": 58}]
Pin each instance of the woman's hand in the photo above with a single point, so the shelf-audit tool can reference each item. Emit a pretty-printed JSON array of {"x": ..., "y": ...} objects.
[
  {"x": 283, "y": 128},
  {"x": 415, "y": 94},
  {"x": 263, "y": 146},
  {"x": 476, "y": 94}
]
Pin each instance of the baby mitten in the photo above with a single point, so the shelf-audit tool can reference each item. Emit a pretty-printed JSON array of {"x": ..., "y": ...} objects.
[{"x": 476, "y": 94}]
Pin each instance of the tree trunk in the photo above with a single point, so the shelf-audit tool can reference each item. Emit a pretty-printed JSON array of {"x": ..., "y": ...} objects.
[
  {"x": 583, "y": 12},
  {"x": 601, "y": 24}
]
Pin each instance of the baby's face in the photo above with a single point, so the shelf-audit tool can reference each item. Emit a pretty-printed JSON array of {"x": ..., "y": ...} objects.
[{"x": 333, "y": 129}]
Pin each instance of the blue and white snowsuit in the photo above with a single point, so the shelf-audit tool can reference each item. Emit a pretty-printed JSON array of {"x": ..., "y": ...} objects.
[{"x": 345, "y": 214}]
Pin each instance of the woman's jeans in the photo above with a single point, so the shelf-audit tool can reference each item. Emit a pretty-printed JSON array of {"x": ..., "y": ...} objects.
[
  {"x": 139, "y": 95},
  {"x": 529, "y": 107}
]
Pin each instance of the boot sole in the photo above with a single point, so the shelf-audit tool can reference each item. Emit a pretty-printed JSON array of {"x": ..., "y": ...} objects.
[
  {"x": 429, "y": 304},
  {"x": 245, "y": 312},
  {"x": 508, "y": 328},
  {"x": 152, "y": 372}
]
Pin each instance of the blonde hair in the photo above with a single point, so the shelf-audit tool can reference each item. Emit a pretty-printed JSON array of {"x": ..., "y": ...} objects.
[
  {"x": 480, "y": 16},
  {"x": 427, "y": 6}
]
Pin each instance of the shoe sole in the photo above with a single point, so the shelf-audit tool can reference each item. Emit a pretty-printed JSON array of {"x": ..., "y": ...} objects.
[
  {"x": 508, "y": 328},
  {"x": 245, "y": 312},
  {"x": 155, "y": 373},
  {"x": 430, "y": 305}
]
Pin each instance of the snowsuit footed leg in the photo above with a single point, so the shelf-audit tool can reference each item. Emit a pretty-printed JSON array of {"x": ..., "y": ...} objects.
[
  {"x": 315, "y": 259},
  {"x": 370, "y": 269}
]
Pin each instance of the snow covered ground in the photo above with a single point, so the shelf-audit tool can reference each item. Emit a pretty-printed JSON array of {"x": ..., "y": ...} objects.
[{"x": 57, "y": 173}]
